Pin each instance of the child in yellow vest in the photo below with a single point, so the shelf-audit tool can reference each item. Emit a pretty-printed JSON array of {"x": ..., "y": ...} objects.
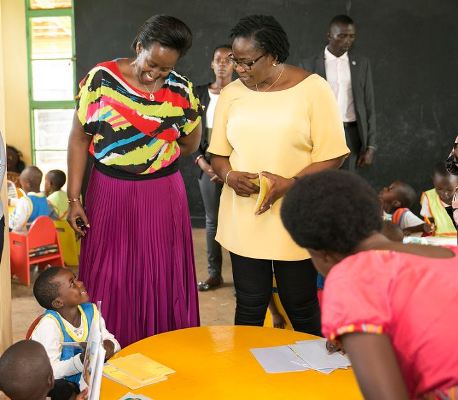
[
  {"x": 436, "y": 203},
  {"x": 54, "y": 180}
]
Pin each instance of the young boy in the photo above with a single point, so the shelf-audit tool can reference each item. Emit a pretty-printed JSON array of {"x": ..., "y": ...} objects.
[
  {"x": 34, "y": 204},
  {"x": 54, "y": 180},
  {"x": 436, "y": 203},
  {"x": 396, "y": 201},
  {"x": 67, "y": 318},
  {"x": 25, "y": 372}
]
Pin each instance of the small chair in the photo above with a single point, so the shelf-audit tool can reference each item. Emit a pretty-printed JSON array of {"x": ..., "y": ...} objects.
[
  {"x": 33, "y": 326},
  {"x": 70, "y": 246},
  {"x": 39, "y": 246}
]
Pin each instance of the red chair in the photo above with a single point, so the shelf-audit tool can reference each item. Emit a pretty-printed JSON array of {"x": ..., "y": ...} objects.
[
  {"x": 33, "y": 326},
  {"x": 39, "y": 246}
]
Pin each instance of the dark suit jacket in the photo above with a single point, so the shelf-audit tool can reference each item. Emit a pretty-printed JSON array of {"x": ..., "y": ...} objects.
[
  {"x": 202, "y": 93},
  {"x": 363, "y": 93}
]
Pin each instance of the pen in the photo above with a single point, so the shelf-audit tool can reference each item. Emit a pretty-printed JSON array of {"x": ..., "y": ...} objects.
[{"x": 427, "y": 220}]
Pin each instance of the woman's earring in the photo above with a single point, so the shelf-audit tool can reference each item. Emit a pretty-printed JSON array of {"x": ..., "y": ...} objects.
[{"x": 274, "y": 64}]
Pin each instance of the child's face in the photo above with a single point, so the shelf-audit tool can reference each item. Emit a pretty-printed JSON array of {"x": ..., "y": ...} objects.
[
  {"x": 71, "y": 291},
  {"x": 389, "y": 197},
  {"x": 445, "y": 187}
]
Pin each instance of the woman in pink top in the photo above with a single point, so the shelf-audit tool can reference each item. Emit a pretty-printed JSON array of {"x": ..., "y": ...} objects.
[{"x": 392, "y": 306}]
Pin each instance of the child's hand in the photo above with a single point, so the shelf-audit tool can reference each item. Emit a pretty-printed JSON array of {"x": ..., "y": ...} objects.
[
  {"x": 429, "y": 228},
  {"x": 109, "y": 348},
  {"x": 278, "y": 321},
  {"x": 333, "y": 346},
  {"x": 82, "y": 395}
]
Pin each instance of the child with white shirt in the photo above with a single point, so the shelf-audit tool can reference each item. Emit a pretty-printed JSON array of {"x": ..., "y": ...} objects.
[
  {"x": 28, "y": 208},
  {"x": 397, "y": 199},
  {"x": 67, "y": 318},
  {"x": 436, "y": 203}
]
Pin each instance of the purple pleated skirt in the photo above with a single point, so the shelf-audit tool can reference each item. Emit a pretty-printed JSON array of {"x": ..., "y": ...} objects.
[{"x": 137, "y": 257}]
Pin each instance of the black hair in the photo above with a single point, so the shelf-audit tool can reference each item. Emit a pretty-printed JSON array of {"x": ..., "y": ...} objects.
[
  {"x": 25, "y": 371},
  {"x": 221, "y": 46},
  {"x": 441, "y": 169},
  {"x": 267, "y": 33},
  {"x": 20, "y": 164},
  {"x": 341, "y": 19},
  {"x": 167, "y": 31},
  {"x": 331, "y": 210},
  {"x": 33, "y": 175},
  {"x": 406, "y": 194},
  {"x": 57, "y": 178},
  {"x": 44, "y": 290}
]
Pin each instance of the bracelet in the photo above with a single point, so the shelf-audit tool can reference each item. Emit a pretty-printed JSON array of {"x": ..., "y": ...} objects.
[
  {"x": 227, "y": 176},
  {"x": 73, "y": 200},
  {"x": 198, "y": 158}
]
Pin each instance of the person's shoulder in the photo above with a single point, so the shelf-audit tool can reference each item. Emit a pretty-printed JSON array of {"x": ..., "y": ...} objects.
[
  {"x": 358, "y": 57},
  {"x": 235, "y": 88}
]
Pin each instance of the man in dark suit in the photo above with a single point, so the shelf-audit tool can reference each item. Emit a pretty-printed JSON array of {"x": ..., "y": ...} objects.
[
  {"x": 350, "y": 78},
  {"x": 209, "y": 183}
]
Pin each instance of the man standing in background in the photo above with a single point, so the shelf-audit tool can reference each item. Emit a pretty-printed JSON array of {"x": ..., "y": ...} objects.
[
  {"x": 350, "y": 78},
  {"x": 209, "y": 184}
]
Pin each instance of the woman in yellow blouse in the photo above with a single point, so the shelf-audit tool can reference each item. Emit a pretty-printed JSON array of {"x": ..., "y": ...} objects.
[{"x": 283, "y": 121}]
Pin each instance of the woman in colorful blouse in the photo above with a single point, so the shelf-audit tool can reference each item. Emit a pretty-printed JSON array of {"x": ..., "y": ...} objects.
[
  {"x": 391, "y": 305},
  {"x": 136, "y": 117},
  {"x": 452, "y": 166}
]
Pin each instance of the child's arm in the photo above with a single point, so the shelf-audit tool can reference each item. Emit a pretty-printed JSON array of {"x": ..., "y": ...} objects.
[
  {"x": 48, "y": 333},
  {"x": 20, "y": 215},
  {"x": 110, "y": 343},
  {"x": 278, "y": 320}
]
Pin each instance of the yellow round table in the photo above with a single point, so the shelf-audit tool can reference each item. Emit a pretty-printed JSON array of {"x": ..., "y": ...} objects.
[{"x": 215, "y": 363}]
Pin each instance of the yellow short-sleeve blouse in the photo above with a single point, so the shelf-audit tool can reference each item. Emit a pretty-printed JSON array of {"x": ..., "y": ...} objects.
[{"x": 280, "y": 132}]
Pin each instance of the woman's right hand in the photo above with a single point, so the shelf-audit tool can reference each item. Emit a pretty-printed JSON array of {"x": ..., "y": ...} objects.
[
  {"x": 242, "y": 183},
  {"x": 75, "y": 212}
]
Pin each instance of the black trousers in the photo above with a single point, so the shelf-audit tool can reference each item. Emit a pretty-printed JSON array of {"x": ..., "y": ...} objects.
[
  {"x": 354, "y": 144},
  {"x": 296, "y": 283}
]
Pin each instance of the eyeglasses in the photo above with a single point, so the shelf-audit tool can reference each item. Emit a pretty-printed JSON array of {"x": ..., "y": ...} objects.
[{"x": 246, "y": 65}]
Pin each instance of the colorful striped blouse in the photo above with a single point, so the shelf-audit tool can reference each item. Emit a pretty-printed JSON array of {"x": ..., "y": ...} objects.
[{"x": 133, "y": 136}]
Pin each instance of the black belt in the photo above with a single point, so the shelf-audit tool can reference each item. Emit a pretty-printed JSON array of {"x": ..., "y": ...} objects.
[{"x": 349, "y": 124}]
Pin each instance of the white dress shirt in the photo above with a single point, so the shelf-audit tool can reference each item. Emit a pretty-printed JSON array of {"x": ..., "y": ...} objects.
[{"x": 339, "y": 78}]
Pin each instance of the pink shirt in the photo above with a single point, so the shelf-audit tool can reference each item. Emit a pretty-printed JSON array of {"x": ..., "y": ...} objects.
[{"x": 412, "y": 299}]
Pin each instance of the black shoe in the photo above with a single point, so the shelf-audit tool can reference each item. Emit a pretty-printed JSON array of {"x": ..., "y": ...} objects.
[{"x": 210, "y": 284}]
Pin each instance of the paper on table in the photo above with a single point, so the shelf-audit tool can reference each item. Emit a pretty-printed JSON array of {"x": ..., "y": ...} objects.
[
  {"x": 278, "y": 359},
  {"x": 141, "y": 367},
  {"x": 315, "y": 354},
  {"x": 121, "y": 377},
  {"x": 133, "y": 396}
]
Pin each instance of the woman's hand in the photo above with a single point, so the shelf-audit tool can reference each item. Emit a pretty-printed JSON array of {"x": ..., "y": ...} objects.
[
  {"x": 278, "y": 187},
  {"x": 208, "y": 170},
  {"x": 242, "y": 183},
  {"x": 76, "y": 212}
]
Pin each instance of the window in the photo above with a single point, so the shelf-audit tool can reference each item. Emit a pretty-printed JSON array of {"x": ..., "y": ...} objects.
[{"x": 51, "y": 60}]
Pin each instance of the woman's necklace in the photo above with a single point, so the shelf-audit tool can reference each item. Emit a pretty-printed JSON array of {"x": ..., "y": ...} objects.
[
  {"x": 272, "y": 85},
  {"x": 151, "y": 92}
]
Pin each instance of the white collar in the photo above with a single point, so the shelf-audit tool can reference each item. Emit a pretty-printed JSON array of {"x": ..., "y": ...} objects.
[{"x": 329, "y": 56}]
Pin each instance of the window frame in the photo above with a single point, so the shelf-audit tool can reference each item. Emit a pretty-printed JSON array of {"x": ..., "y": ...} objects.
[{"x": 47, "y": 104}]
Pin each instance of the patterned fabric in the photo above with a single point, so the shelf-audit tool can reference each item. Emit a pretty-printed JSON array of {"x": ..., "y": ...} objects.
[
  {"x": 410, "y": 299},
  {"x": 452, "y": 162},
  {"x": 132, "y": 133},
  {"x": 397, "y": 215},
  {"x": 447, "y": 394}
]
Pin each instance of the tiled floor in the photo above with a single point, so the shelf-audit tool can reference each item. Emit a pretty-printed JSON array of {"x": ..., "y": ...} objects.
[{"x": 216, "y": 307}]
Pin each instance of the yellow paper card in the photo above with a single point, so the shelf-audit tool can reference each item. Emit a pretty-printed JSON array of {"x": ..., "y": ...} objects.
[
  {"x": 264, "y": 188},
  {"x": 141, "y": 367}
]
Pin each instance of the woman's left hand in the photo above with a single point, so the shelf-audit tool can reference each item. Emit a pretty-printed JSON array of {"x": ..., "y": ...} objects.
[{"x": 278, "y": 187}]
